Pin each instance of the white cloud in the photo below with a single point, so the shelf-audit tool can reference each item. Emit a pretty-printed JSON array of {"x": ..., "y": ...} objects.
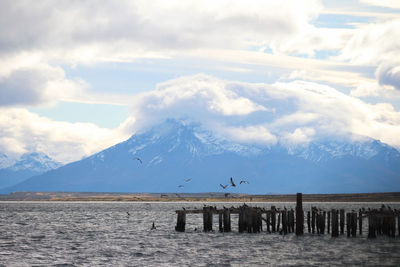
[
  {"x": 22, "y": 131},
  {"x": 291, "y": 113},
  {"x": 376, "y": 44},
  {"x": 382, "y": 3},
  {"x": 35, "y": 86},
  {"x": 124, "y": 30}
]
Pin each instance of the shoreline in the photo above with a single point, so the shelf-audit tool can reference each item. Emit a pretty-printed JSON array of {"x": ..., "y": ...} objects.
[{"x": 197, "y": 197}]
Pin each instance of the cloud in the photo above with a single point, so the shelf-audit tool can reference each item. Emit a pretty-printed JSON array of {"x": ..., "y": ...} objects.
[
  {"x": 292, "y": 113},
  {"x": 389, "y": 75},
  {"x": 376, "y": 44},
  {"x": 88, "y": 32},
  {"x": 22, "y": 131},
  {"x": 382, "y": 3},
  {"x": 35, "y": 86}
]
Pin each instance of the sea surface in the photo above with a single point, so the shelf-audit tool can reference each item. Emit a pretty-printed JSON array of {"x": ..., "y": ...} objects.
[{"x": 103, "y": 234}]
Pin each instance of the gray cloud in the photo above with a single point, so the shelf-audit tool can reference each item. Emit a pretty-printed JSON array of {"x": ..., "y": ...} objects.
[
  {"x": 141, "y": 25},
  {"x": 389, "y": 75},
  {"x": 34, "y": 86}
]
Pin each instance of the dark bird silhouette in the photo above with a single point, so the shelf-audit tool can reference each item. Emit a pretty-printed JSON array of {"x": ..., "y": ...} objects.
[
  {"x": 244, "y": 182},
  {"x": 233, "y": 184},
  {"x": 180, "y": 186},
  {"x": 188, "y": 180},
  {"x": 128, "y": 213},
  {"x": 183, "y": 208},
  {"x": 153, "y": 227},
  {"x": 139, "y": 160},
  {"x": 223, "y": 186}
]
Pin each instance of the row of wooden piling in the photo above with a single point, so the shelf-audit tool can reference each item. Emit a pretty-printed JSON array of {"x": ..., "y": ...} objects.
[{"x": 380, "y": 221}]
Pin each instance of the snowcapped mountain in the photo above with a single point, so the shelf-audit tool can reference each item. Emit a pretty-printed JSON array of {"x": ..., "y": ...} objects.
[
  {"x": 30, "y": 164},
  {"x": 161, "y": 158},
  {"x": 5, "y": 161}
]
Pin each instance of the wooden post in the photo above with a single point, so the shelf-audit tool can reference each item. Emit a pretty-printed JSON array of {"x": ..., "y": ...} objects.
[
  {"x": 313, "y": 219},
  {"x": 220, "y": 222},
  {"x": 371, "y": 225},
  {"x": 329, "y": 221},
  {"x": 323, "y": 222},
  {"x": 227, "y": 220},
  {"x": 241, "y": 220},
  {"x": 392, "y": 224},
  {"x": 335, "y": 223},
  {"x": 353, "y": 224},
  {"x": 308, "y": 222},
  {"x": 207, "y": 219},
  {"x": 284, "y": 221},
  {"x": 398, "y": 222},
  {"x": 299, "y": 215},
  {"x": 360, "y": 221},
  {"x": 273, "y": 218},
  {"x": 279, "y": 221},
  {"x": 268, "y": 222},
  {"x": 181, "y": 221},
  {"x": 348, "y": 223},
  {"x": 342, "y": 221}
]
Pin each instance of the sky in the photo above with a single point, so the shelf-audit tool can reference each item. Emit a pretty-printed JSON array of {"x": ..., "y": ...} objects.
[{"x": 79, "y": 76}]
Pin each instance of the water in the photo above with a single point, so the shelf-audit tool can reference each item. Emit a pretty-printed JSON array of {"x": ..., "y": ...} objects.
[{"x": 102, "y": 234}]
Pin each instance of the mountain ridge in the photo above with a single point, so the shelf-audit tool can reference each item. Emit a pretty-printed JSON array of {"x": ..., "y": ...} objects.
[{"x": 176, "y": 150}]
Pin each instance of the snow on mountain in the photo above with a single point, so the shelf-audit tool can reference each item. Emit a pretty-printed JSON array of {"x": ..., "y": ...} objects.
[
  {"x": 160, "y": 158},
  {"x": 30, "y": 164},
  {"x": 5, "y": 161}
]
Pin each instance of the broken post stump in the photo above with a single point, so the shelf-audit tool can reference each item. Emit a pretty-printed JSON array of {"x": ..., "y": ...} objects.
[{"x": 181, "y": 221}]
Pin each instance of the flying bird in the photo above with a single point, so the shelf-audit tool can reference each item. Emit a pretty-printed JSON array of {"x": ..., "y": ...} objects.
[
  {"x": 180, "y": 185},
  {"x": 244, "y": 182},
  {"x": 188, "y": 180},
  {"x": 223, "y": 186},
  {"x": 139, "y": 160},
  {"x": 233, "y": 184},
  {"x": 128, "y": 213}
]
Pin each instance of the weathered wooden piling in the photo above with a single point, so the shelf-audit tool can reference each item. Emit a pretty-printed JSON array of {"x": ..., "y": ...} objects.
[
  {"x": 372, "y": 225},
  {"x": 299, "y": 214},
  {"x": 308, "y": 222},
  {"x": 220, "y": 222},
  {"x": 323, "y": 222},
  {"x": 273, "y": 218},
  {"x": 348, "y": 224},
  {"x": 313, "y": 211},
  {"x": 181, "y": 221},
  {"x": 242, "y": 222},
  {"x": 268, "y": 220},
  {"x": 398, "y": 223},
  {"x": 342, "y": 221},
  {"x": 335, "y": 223},
  {"x": 360, "y": 221},
  {"x": 279, "y": 221},
  {"x": 329, "y": 221},
  {"x": 284, "y": 222},
  {"x": 227, "y": 220},
  {"x": 353, "y": 224},
  {"x": 207, "y": 219}
]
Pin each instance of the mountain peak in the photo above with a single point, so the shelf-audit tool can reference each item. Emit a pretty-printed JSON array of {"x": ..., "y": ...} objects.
[{"x": 35, "y": 161}]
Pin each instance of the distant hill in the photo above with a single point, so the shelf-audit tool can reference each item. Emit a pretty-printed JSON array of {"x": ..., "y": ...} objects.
[
  {"x": 31, "y": 164},
  {"x": 174, "y": 151}
]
